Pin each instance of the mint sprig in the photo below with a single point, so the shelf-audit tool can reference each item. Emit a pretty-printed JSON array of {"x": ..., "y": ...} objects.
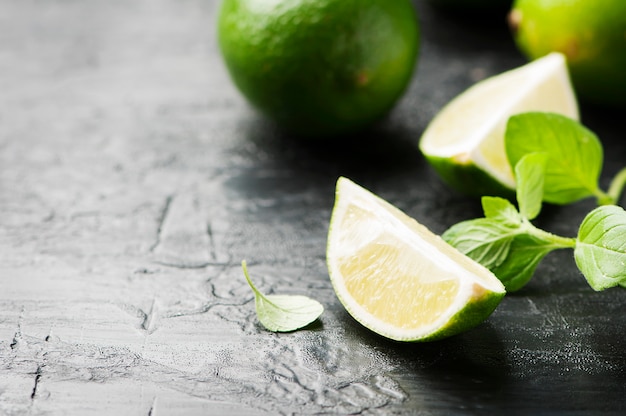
[
  {"x": 556, "y": 160},
  {"x": 283, "y": 313},
  {"x": 505, "y": 241}
]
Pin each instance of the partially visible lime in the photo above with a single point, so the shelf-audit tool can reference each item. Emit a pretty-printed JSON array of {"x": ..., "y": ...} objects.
[
  {"x": 592, "y": 35},
  {"x": 320, "y": 67},
  {"x": 465, "y": 140},
  {"x": 399, "y": 279}
]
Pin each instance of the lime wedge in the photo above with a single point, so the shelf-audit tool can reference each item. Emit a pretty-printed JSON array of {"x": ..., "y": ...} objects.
[
  {"x": 399, "y": 279},
  {"x": 465, "y": 140}
]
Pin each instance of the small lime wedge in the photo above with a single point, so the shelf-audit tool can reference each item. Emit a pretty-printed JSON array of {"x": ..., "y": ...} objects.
[{"x": 465, "y": 140}]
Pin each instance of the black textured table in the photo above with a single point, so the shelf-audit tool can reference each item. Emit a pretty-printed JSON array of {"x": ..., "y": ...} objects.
[{"x": 134, "y": 179}]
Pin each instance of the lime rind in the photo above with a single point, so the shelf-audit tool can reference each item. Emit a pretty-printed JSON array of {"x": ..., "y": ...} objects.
[
  {"x": 473, "y": 314},
  {"x": 469, "y": 178}
]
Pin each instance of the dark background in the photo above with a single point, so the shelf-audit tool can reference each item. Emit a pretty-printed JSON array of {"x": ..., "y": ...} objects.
[{"x": 134, "y": 179}]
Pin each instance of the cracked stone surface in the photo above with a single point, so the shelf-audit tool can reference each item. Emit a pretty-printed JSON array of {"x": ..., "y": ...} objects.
[{"x": 134, "y": 179}]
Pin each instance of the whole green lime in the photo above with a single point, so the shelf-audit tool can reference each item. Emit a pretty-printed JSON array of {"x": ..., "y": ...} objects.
[
  {"x": 320, "y": 67},
  {"x": 591, "y": 34}
]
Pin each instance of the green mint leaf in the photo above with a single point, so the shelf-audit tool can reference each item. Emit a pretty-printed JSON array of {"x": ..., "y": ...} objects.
[
  {"x": 525, "y": 253},
  {"x": 485, "y": 240},
  {"x": 600, "y": 250},
  {"x": 502, "y": 210},
  {"x": 574, "y": 154},
  {"x": 283, "y": 313},
  {"x": 530, "y": 174},
  {"x": 510, "y": 247}
]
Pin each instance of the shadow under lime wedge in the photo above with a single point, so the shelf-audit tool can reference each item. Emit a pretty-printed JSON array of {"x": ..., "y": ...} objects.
[
  {"x": 399, "y": 279},
  {"x": 465, "y": 141}
]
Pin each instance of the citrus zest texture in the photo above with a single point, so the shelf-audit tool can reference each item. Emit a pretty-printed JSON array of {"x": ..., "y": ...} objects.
[{"x": 399, "y": 279}]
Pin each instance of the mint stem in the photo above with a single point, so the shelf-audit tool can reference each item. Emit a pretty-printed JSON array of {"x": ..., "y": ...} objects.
[
  {"x": 558, "y": 241},
  {"x": 616, "y": 188},
  {"x": 257, "y": 292},
  {"x": 252, "y": 286}
]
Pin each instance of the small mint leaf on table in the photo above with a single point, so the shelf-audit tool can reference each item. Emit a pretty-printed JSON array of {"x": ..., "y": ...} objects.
[
  {"x": 600, "y": 250},
  {"x": 574, "y": 154},
  {"x": 283, "y": 313}
]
